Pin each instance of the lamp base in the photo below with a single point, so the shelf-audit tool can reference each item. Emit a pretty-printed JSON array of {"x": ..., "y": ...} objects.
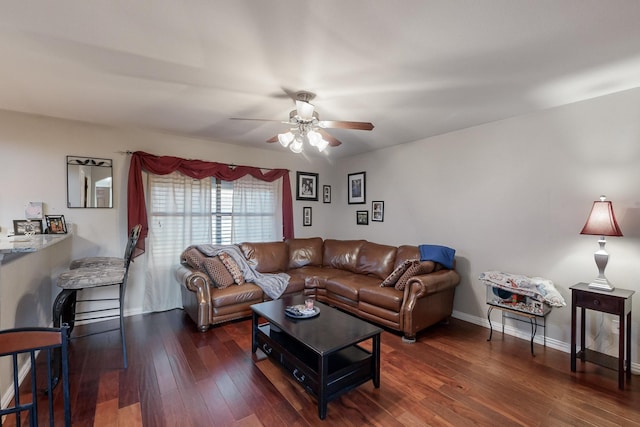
[{"x": 601, "y": 285}]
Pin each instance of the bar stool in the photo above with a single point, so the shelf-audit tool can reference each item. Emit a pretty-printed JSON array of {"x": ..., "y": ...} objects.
[
  {"x": 104, "y": 261},
  {"x": 81, "y": 278},
  {"x": 31, "y": 341}
]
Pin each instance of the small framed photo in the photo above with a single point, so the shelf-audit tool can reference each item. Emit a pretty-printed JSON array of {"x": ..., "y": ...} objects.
[
  {"x": 33, "y": 210},
  {"x": 306, "y": 186},
  {"x": 56, "y": 224},
  {"x": 377, "y": 211},
  {"x": 362, "y": 217},
  {"x": 356, "y": 184},
  {"x": 306, "y": 216},
  {"x": 23, "y": 226},
  {"x": 326, "y": 194}
]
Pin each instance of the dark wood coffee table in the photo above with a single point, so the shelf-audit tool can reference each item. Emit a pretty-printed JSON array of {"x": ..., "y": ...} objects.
[{"x": 322, "y": 352}]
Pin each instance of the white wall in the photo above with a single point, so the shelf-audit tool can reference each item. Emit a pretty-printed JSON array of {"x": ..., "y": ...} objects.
[
  {"x": 513, "y": 196},
  {"x": 33, "y": 151}
]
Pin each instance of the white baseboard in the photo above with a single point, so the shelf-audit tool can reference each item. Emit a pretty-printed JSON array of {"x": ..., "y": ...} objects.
[{"x": 524, "y": 334}]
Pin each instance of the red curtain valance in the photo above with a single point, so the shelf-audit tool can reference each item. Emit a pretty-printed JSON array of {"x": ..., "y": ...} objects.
[{"x": 198, "y": 169}]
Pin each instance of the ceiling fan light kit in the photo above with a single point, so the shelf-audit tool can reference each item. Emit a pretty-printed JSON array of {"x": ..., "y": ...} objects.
[{"x": 306, "y": 125}]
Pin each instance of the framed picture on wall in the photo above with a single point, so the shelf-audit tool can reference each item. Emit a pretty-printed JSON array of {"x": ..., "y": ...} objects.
[
  {"x": 356, "y": 188},
  {"x": 306, "y": 216},
  {"x": 326, "y": 194},
  {"x": 362, "y": 217},
  {"x": 56, "y": 224},
  {"x": 306, "y": 186},
  {"x": 377, "y": 211}
]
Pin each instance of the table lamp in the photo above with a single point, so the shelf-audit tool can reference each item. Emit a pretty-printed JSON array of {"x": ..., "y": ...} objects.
[{"x": 601, "y": 222}]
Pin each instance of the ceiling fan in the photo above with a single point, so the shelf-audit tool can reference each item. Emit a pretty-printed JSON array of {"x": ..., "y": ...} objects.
[{"x": 305, "y": 124}]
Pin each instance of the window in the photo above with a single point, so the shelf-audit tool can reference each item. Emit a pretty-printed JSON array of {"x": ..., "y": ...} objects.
[{"x": 184, "y": 211}]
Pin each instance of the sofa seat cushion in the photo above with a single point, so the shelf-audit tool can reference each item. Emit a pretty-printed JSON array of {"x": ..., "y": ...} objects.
[
  {"x": 348, "y": 286},
  {"x": 321, "y": 273},
  {"x": 236, "y": 294},
  {"x": 294, "y": 286},
  {"x": 385, "y": 297}
]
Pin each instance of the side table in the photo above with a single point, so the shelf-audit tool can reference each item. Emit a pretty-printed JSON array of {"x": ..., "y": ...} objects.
[{"x": 617, "y": 302}]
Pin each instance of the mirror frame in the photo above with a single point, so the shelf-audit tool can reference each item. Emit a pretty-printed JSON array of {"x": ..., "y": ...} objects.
[{"x": 90, "y": 162}]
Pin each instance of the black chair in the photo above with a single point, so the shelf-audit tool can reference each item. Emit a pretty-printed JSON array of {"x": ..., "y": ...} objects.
[
  {"x": 47, "y": 341},
  {"x": 78, "y": 279}
]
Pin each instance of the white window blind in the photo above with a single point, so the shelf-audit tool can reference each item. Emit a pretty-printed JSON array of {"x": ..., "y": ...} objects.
[{"x": 184, "y": 211}]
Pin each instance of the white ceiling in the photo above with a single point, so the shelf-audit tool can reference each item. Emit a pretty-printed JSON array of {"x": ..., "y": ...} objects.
[{"x": 414, "y": 68}]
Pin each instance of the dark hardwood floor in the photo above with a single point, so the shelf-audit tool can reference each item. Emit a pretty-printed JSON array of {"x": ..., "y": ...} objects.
[{"x": 450, "y": 376}]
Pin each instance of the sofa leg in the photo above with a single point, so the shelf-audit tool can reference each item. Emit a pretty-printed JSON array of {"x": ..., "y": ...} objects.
[{"x": 409, "y": 339}]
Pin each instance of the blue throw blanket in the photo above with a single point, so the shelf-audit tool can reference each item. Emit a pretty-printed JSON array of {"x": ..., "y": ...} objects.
[
  {"x": 272, "y": 284},
  {"x": 440, "y": 254}
]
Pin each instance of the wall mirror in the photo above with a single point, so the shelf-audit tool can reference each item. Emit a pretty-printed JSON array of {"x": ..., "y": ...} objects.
[{"x": 89, "y": 182}]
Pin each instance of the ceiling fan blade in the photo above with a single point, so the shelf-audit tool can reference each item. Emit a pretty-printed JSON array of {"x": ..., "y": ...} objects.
[
  {"x": 337, "y": 124},
  {"x": 273, "y": 139},
  {"x": 259, "y": 120},
  {"x": 330, "y": 139}
]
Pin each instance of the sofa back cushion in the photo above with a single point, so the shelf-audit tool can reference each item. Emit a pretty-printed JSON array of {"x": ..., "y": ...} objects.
[
  {"x": 406, "y": 252},
  {"x": 376, "y": 260},
  {"x": 341, "y": 254},
  {"x": 267, "y": 257},
  {"x": 304, "y": 252}
]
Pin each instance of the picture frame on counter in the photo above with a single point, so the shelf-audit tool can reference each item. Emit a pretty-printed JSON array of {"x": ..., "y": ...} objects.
[
  {"x": 56, "y": 224},
  {"x": 24, "y": 226}
]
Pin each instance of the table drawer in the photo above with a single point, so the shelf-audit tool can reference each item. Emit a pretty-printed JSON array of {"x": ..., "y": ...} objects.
[
  {"x": 305, "y": 376},
  {"x": 599, "y": 302},
  {"x": 270, "y": 347}
]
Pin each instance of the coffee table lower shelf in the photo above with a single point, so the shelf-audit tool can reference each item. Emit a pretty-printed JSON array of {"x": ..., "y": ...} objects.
[{"x": 346, "y": 369}]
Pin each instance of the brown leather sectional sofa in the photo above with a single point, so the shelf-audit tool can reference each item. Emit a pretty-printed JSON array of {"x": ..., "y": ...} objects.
[{"x": 346, "y": 274}]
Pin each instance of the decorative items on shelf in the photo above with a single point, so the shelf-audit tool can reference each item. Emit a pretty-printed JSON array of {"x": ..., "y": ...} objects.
[
  {"x": 33, "y": 210},
  {"x": 514, "y": 301},
  {"x": 27, "y": 227},
  {"x": 56, "y": 224}
]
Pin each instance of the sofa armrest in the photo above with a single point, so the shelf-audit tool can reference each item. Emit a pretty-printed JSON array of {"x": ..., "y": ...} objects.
[
  {"x": 426, "y": 284},
  {"x": 196, "y": 295}
]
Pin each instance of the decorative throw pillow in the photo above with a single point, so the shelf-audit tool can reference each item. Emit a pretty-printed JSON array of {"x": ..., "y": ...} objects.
[
  {"x": 416, "y": 268},
  {"x": 218, "y": 272},
  {"x": 393, "y": 277},
  {"x": 193, "y": 257},
  {"x": 232, "y": 267}
]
